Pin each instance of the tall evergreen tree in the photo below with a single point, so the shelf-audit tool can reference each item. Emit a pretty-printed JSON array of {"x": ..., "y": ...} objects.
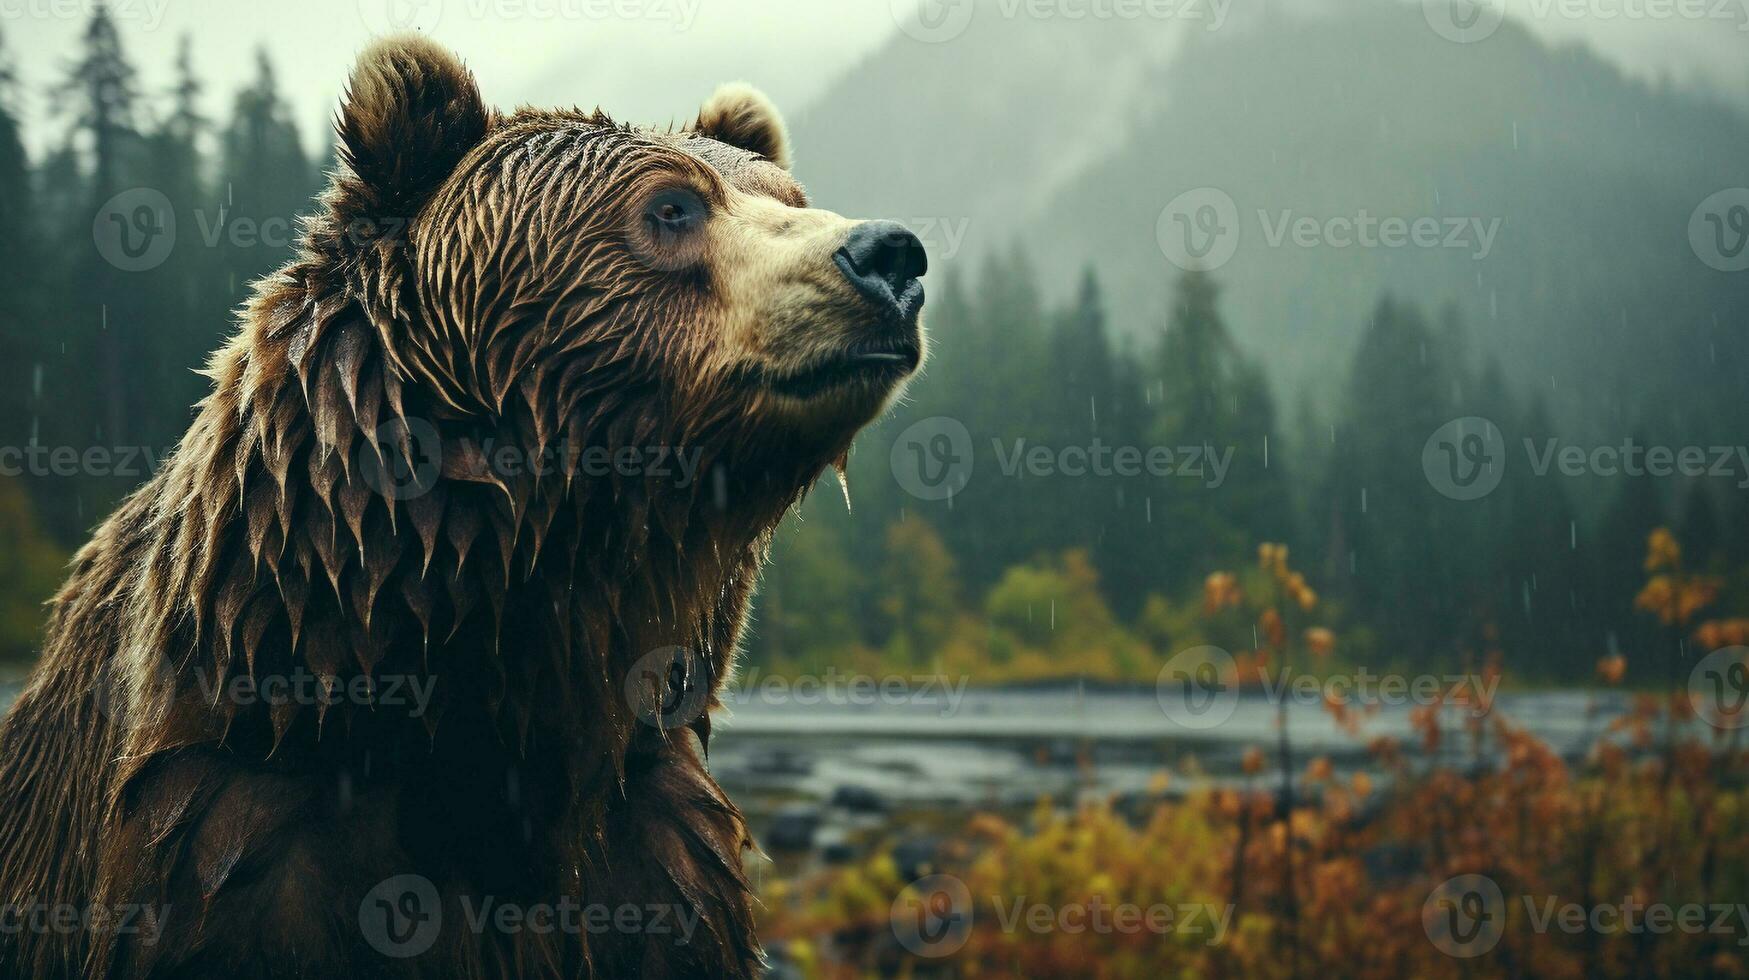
[
  {"x": 189, "y": 306},
  {"x": 1544, "y": 610},
  {"x": 266, "y": 180},
  {"x": 1080, "y": 352},
  {"x": 1197, "y": 362},
  {"x": 1213, "y": 401},
  {"x": 99, "y": 93},
  {"x": 1389, "y": 518},
  {"x": 20, "y": 271}
]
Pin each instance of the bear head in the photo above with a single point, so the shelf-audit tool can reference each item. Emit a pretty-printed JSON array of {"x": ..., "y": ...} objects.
[{"x": 581, "y": 281}]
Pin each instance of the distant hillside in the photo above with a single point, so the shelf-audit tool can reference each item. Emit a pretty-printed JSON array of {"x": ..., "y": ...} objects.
[
  {"x": 1589, "y": 287},
  {"x": 979, "y": 130}
]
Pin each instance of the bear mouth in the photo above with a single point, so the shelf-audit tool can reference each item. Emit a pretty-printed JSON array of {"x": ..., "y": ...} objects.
[{"x": 884, "y": 365}]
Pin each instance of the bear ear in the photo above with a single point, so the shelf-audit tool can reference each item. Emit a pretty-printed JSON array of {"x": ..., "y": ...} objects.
[
  {"x": 410, "y": 113},
  {"x": 740, "y": 115}
]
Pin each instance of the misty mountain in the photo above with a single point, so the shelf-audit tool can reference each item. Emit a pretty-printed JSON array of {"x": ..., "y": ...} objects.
[
  {"x": 976, "y": 131},
  {"x": 1559, "y": 191}
]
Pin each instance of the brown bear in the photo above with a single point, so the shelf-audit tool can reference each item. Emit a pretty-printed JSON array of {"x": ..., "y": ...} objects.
[{"x": 401, "y": 666}]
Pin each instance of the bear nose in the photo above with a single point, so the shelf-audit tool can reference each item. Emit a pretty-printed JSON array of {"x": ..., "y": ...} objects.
[{"x": 883, "y": 260}]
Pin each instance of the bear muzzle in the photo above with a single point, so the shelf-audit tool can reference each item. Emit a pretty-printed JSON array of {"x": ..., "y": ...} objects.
[{"x": 885, "y": 263}]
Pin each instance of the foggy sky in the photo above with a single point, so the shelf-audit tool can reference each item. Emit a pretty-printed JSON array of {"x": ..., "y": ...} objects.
[{"x": 653, "y": 61}]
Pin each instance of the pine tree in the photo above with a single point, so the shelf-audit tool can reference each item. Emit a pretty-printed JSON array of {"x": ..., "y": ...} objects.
[
  {"x": 1197, "y": 361},
  {"x": 20, "y": 271},
  {"x": 1214, "y": 406},
  {"x": 100, "y": 94},
  {"x": 1390, "y": 519},
  {"x": 1543, "y": 603},
  {"x": 1080, "y": 352},
  {"x": 267, "y": 181},
  {"x": 189, "y": 309}
]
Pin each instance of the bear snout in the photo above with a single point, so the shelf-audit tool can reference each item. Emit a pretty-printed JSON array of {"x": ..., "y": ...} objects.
[{"x": 884, "y": 261}]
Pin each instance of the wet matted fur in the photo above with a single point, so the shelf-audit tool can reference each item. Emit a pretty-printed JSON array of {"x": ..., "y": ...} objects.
[{"x": 472, "y": 281}]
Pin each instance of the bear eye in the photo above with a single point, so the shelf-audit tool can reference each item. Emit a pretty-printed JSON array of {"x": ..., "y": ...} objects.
[{"x": 674, "y": 212}]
